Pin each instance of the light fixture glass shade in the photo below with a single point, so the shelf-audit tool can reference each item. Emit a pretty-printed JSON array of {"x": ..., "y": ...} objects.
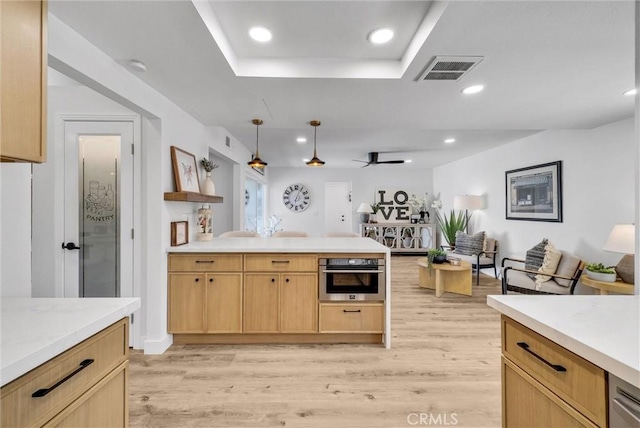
[
  {"x": 621, "y": 239},
  {"x": 467, "y": 202},
  {"x": 364, "y": 208}
]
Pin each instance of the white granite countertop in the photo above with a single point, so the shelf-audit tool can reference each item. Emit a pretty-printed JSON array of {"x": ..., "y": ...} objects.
[
  {"x": 36, "y": 330},
  {"x": 279, "y": 245},
  {"x": 602, "y": 329}
]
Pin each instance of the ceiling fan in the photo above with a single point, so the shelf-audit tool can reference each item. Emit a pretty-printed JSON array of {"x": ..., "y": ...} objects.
[{"x": 373, "y": 160}]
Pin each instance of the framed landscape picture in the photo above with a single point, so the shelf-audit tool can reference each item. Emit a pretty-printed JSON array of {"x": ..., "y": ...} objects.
[
  {"x": 185, "y": 171},
  {"x": 179, "y": 233},
  {"x": 535, "y": 193}
]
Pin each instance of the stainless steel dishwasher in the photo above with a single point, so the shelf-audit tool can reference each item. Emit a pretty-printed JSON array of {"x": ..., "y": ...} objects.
[{"x": 624, "y": 404}]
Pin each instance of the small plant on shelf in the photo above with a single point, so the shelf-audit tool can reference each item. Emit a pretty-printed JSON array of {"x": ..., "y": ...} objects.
[{"x": 208, "y": 165}]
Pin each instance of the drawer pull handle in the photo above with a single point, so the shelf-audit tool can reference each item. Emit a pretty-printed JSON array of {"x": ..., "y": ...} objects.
[
  {"x": 350, "y": 311},
  {"x": 42, "y": 392},
  {"x": 556, "y": 367},
  {"x": 205, "y": 261},
  {"x": 279, "y": 261}
]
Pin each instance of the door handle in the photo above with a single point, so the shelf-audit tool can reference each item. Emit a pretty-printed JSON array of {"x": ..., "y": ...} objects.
[{"x": 69, "y": 246}]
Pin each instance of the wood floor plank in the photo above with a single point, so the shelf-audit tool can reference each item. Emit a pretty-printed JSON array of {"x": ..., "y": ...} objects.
[{"x": 444, "y": 364}]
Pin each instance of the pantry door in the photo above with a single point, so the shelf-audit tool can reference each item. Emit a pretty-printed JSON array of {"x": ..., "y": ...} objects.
[
  {"x": 337, "y": 207},
  {"x": 98, "y": 214}
]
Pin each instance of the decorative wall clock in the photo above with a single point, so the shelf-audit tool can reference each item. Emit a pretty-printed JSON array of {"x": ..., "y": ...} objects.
[{"x": 296, "y": 197}]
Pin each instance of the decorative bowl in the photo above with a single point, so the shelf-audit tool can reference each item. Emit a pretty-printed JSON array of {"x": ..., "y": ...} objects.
[
  {"x": 599, "y": 276},
  {"x": 454, "y": 261}
]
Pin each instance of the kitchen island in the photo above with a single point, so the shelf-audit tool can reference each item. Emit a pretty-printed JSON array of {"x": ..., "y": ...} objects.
[
  {"x": 63, "y": 359},
  {"x": 561, "y": 352},
  {"x": 267, "y": 290}
]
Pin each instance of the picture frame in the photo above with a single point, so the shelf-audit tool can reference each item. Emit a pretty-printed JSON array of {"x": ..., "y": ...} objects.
[
  {"x": 185, "y": 171},
  {"x": 534, "y": 193},
  {"x": 179, "y": 233}
]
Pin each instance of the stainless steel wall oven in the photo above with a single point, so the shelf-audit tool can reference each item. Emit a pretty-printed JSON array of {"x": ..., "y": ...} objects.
[{"x": 352, "y": 279}]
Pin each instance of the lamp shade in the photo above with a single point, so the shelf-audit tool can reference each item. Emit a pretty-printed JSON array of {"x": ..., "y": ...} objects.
[
  {"x": 467, "y": 202},
  {"x": 364, "y": 208},
  {"x": 621, "y": 239}
]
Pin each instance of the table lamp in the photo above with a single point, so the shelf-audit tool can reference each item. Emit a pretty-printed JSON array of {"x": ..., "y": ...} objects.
[
  {"x": 622, "y": 240},
  {"x": 364, "y": 209},
  {"x": 467, "y": 203}
]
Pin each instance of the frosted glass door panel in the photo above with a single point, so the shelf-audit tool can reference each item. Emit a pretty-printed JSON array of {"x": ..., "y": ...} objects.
[{"x": 99, "y": 215}]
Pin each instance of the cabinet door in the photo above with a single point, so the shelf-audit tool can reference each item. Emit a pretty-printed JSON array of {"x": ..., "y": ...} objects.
[
  {"x": 224, "y": 303},
  {"x": 261, "y": 303},
  {"x": 527, "y": 403},
  {"x": 104, "y": 405},
  {"x": 299, "y": 303},
  {"x": 186, "y": 303},
  {"x": 23, "y": 79}
]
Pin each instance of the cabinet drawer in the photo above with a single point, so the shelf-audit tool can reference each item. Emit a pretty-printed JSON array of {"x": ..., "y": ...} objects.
[
  {"x": 351, "y": 318},
  {"x": 280, "y": 263},
  {"x": 205, "y": 262},
  {"x": 572, "y": 378},
  {"x": 107, "y": 349}
]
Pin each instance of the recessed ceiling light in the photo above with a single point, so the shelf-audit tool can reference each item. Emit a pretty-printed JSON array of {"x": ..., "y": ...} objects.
[
  {"x": 380, "y": 36},
  {"x": 633, "y": 91},
  {"x": 472, "y": 89},
  {"x": 260, "y": 34},
  {"x": 301, "y": 140},
  {"x": 450, "y": 140}
]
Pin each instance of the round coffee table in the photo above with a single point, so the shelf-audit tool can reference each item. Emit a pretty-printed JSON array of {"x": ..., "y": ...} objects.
[{"x": 445, "y": 277}]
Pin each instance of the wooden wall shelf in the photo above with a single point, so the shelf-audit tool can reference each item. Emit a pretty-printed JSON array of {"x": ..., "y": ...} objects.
[{"x": 191, "y": 197}]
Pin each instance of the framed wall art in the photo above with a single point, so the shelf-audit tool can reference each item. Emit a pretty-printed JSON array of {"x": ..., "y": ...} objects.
[
  {"x": 179, "y": 233},
  {"x": 535, "y": 193},
  {"x": 185, "y": 171}
]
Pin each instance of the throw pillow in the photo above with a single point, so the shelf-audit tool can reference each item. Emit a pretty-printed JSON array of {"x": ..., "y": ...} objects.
[
  {"x": 469, "y": 245},
  {"x": 550, "y": 263},
  {"x": 535, "y": 257},
  {"x": 567, "y": 267}
]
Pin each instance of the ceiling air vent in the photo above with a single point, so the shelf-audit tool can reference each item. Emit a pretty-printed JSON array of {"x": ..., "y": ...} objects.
[{"x": 449, "y": 67}]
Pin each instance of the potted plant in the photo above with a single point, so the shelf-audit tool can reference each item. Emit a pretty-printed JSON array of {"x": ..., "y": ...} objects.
[
  {"x": 373, "y": 218},
  {"x": 449, "y": 226},
  {"x": 208, "y": 187},
  {"x": 436, "y": 255},
  {"x": 599, "y": 272}
]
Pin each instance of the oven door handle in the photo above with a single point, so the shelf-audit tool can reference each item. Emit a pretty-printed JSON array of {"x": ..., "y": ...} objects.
[{"x": 351, "y": 271}]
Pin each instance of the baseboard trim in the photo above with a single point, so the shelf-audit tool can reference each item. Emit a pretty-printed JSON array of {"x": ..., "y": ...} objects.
[
  {"x": 157, "y": 347},
  {"x": 275, "y": 338}
]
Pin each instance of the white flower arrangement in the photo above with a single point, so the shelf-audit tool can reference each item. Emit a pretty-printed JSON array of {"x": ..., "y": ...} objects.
[{"x": 419, "y": 204}]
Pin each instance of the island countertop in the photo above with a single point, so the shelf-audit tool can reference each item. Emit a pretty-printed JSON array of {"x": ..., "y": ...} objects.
[
  {"x": 283, "y": 245},
  {"x": 602, "y": 329},
  {"x": 37, "y": 329}
]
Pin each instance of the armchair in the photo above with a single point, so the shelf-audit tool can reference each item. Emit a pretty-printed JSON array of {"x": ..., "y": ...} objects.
[
  {"x": 482, "y": 260},
  {"x": 516, "y": 278}
]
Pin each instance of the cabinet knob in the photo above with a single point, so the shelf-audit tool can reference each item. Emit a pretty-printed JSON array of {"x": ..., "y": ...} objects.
[
  {"x": 273, "y": 280},
  {"x": 197, "y": 279},
  {"x": 210, "y": 279},
  {"x": 286, "y": 280}
]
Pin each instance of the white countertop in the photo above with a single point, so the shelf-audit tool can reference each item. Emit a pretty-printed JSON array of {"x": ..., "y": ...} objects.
[
  {"x": 36, "y": 330},
  {"x": 602, "y": 329},
  {"x": 279, "y": 245}
]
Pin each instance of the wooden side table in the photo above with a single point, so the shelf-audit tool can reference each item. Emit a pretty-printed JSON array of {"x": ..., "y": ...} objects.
[
  {"x": 445, "y": 277},
  {"x": 607, "y": 287}
]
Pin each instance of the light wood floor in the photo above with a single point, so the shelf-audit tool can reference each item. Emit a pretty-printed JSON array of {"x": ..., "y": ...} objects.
[{"x": 444, "y": 362}]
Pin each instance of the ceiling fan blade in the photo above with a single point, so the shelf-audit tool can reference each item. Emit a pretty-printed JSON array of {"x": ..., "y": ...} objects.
[
  {"x": 392, "y": 161},
  {"x": 358, "y": 160}
]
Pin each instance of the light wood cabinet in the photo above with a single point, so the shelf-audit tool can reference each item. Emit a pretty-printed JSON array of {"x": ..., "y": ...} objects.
[
  {"x": 65, "y": 390},
  {"x": 351, "y": 317},
  {"x": 23, "y": 80},
  {"x": 205, "y": 293},
  {"x": 402, "y": 237},
  {"x": 261, "y": 303},
  {"x": 546, "y": 382}
]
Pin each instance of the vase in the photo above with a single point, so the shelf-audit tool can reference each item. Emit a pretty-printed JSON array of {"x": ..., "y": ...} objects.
[
  {"x": 373, "y": 218},
  {"x": 208, "y": 187},
  {"x": 205, "y": 224}
]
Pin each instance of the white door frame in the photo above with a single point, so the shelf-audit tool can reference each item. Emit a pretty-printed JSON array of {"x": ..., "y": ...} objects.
[{"x": 58, "y": 209}]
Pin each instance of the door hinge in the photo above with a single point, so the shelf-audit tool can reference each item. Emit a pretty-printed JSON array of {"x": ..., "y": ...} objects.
[
  {"x": 132, "y": 148},
  {"x": 132, "y": 234},
  {"x": 131, "y": 318}
]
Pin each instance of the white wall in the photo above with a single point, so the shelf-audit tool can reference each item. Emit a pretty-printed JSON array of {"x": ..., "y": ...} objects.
[
  {"x": 15, "y": 230},
  {"x": 598, "y": 188},
  {"x": 364, "y": 182},
  {"x": 223, "y": 179}
]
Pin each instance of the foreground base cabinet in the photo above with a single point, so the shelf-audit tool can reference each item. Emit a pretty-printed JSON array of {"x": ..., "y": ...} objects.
[
  {"x": 95, "y": 396},
  {"x": 545, "y": 385},
  {"x": 261, "y": 298}
]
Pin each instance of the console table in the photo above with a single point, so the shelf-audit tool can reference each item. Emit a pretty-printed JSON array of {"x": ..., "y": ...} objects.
[{"x": 402, "y": 237}]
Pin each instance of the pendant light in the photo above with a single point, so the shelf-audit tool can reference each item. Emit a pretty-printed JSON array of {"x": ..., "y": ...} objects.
[
  {"x": 314, "y": 160},
  {"x": 256, "y": 162}
]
